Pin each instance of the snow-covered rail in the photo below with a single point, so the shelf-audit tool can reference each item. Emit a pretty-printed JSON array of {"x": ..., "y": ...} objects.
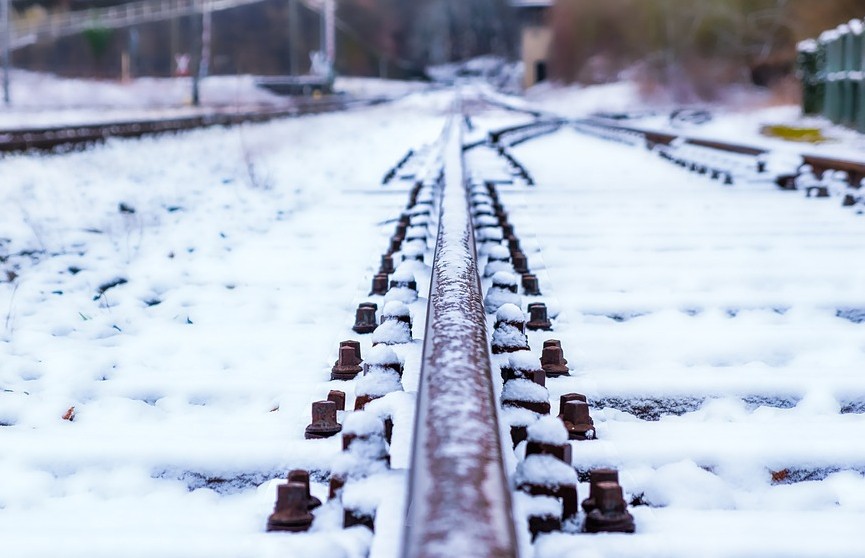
[{"x": 459, "y": 497}]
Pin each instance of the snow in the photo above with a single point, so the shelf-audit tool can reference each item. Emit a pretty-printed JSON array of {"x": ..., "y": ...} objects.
[
  {"x": 716, "y": 330},
  {"x": 537, "y": 506},
  {"x": 507, "y": 336},
  {"x": 548, "y": 430},
  {"x": 510, "y": 313},
  {"x": 672, "y": 287},
  {"x": 524, "y": 390},
  {"x": 395, "y": 309},
  {"x": 245, "y": 258},
  {"x": 544, "y": 470},
  {"x": 378, "y": 383},
  {"x": 381, "y": 355},
  {"x": 362, "y": 423},
  {"x": 523, "y": 360}
]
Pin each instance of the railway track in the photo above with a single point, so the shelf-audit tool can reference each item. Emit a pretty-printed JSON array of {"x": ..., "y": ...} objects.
[
  {"x": 540, "y": 356},
  {"x": 75, "y": 136},
  {"x": 514, "y": 448}
]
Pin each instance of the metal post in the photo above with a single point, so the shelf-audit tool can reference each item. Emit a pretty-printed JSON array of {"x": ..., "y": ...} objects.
[
  {"x": 330, "y": 32},
  {"x": 196, "y": 53},
  {"x": 4, "y": 16},
  {"x": 206, "y": 20},
  {"x": 293, "y": 36}
]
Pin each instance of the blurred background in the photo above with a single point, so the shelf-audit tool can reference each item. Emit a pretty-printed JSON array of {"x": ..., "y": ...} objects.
[{"x": 686, "y": 50}]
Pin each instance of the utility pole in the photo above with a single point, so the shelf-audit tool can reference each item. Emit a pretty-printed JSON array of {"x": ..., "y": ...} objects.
[
  {"x": 201, "y": 34},
  {"x": 330, "y": 32},
  {"x": 6, "y": 28},
  {"x": 196, "y": 56},
  {"x": 206, "y": 26},
  {"x": 293, "y": 37}
]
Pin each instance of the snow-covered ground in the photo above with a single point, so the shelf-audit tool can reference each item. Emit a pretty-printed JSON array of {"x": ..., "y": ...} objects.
[
  {"x": 47, "y": 100},
  {"x": 732, "y": 312},
  {"x": 738, "y": 119},
  {"x": 727, "y": 308},
  {"x": 245, "y": 252}
]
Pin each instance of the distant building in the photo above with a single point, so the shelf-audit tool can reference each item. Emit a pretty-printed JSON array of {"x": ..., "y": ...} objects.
[{"x": 535, "y": 38}]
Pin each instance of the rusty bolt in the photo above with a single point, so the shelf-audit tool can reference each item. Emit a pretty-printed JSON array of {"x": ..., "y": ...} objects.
[
  {"x": 403, "y": 282},
  {"x": 482, "y": 209},
  {"x": 382, "y": 357},
  {"x": 348, "y": 365},
  {"x": 291, "y": 512},
  {"x": 553, "y": 362},
  {"x": 513, "y": 242},
  {"x": 728, "y": 178},
  {"x": 562, "y": 452},
  {"x": 302, "y": 477},
  {"x": 518, "y": 367},
  {"x": 364, "y": 321},
  {"x": 525, "y": 394},
  {"x": 531, "y": 287},
  {"x": 379, "y": 284},
  {"x": 388, "y": 430},
  {"x": 401, "y": 229},
  {"x": 361, "y": 400},
  {"x": 518, "y": 433},
  {"x": 610, "y": 514},
  {"x": 386, "y": 264},
  {"x": 597, "y": 476},
  {"x": 519, "y": 261},
  {"x": 337, "y": 397},
  {"x": 539, "y": 524},
  {"x": 507, "y": 229},
  {"x": 538, "y": 317},
  {"x": 354, "y": 345},
  {"x": 570, "y": 397},
  {"x": 395, "y": 244},
  {"x": 505, "y": 281},
  {"x": 334, "y": 486},
  {"x": 324, "y": 424},
  {"x": 351, "y": 518},
  {"x": 578, "y": 421}
]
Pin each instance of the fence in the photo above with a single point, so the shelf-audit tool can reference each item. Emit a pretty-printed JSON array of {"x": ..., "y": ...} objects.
[{"x": 833, "y": 75}]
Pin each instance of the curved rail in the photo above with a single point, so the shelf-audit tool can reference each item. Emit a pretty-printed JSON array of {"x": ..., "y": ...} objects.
[{"x": 459, "y": 499}]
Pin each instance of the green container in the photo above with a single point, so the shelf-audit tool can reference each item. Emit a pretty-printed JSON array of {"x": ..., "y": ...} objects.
[{"x": 830, "y": 89}]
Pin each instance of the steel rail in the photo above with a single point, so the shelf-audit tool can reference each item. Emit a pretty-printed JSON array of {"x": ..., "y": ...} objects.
[
  {"x": 49, "y": 138},
  {"x": 459, "y": 497}
]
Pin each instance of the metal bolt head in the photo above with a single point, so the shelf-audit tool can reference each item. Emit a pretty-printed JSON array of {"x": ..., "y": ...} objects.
[
  {"x": 364, "y": 320},
  {"x": 609, "y": 497},
  {"x": 291, "y": 512},
  {"x": 387, "y": 264},
  {"x": 324, "y": 424},
  {"x": 531, "y": 286},
  {"x": 570, "y": 397},
  {"x": 519, "y": 261},
  {"x": 538, "y": 319},
  {"x": 379, "y": 284},
  {"x": 302, "y": 477},
  {"x": 553, "y": 362},
  {"x": 354, "y": 345},
  {"x": 576, "y": 412},
  {"x": 337, "y": 397}
]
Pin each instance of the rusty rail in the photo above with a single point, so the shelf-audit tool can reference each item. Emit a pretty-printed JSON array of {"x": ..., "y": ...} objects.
[
  {"x": 855, "y": 170},
  {"x": 654, "y": 137},
  {"x": 80, "y": 135},
  {"x": 459, "y": 498}
]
